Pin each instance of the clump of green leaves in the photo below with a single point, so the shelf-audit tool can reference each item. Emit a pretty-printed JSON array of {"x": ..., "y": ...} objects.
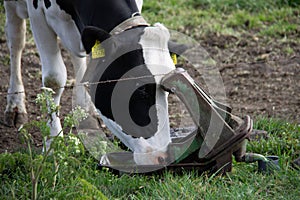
[
  {"x": 74, "y": 117},
  {"x": 63, "y": 151}
]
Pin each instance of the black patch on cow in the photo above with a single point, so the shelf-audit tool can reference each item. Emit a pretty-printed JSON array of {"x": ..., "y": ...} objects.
[
  {"x": 47, "y": 3},
  {"x": 35, "y": 4},
  {"x": 142, "y": 99},
  {"x": 104, "y": 14}
]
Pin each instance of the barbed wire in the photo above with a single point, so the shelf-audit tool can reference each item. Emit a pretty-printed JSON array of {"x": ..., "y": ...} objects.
[{"x": 87, "y": 84}]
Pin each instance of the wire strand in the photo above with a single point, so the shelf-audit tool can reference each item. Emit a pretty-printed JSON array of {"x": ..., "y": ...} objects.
[{"x": 87, "y": 84}]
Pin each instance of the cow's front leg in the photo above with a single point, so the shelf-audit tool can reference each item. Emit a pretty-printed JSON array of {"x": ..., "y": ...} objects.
[
  {"x": 82, "y": 98},
  {"x": 15, "y": 28},
  {"x": 54, "y": 74}
]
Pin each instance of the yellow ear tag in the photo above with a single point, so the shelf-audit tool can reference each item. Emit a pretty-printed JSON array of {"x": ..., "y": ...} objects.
[
  {"x": 97, "y": 50},
  {"x": 174, "y": 58}
]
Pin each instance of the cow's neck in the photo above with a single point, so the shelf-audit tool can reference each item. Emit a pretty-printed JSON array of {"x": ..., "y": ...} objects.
[{"x": 104, "y": 14}]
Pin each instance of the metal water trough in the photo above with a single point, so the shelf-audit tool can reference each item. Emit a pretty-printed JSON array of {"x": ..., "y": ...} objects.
[{"x": 200, "y": 148}]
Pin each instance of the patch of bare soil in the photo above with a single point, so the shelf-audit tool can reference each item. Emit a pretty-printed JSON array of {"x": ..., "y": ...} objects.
[{"x": 260, "y": 79}]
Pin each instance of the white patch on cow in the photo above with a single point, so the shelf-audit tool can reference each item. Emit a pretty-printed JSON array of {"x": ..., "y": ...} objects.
[
  {"x": 154, "y": 44},
  {"x": 144, "y": 152},
  {"x": 116, "y": 129},
  {"x": 139, "y": 4}
]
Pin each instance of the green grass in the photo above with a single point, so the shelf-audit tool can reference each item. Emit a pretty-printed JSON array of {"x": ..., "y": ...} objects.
[
  {"x": 251, "y": 6},
  {"x": 230, "y": 17},
  {"x": 284, "y": 138},
  {"x": 78, "y": 176}
]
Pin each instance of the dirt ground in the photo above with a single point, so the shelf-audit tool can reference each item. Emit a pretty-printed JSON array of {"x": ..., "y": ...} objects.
[{"x": 260, "y": 75}]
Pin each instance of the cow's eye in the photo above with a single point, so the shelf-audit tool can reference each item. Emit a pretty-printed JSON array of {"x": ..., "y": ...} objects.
[{"x": 161, "y": 160}]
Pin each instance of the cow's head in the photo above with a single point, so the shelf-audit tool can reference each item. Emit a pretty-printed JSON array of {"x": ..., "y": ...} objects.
[{"x": 129, "y": 66}]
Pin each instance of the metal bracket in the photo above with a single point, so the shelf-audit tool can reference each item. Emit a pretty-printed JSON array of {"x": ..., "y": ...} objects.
[{"x": 220, "y": 130}]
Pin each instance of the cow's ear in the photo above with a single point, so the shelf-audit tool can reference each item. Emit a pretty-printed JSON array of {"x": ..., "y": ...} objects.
[{"x": 90, "y": 35}]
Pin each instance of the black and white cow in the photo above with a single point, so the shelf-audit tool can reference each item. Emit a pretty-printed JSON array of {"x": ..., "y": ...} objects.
[{"x": 79, "y": 24}]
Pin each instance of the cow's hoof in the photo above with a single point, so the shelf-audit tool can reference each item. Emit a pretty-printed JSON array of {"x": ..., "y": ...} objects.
[
  {"x": 14, "y": 119},
  {"x": 22, "y": 118}
]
